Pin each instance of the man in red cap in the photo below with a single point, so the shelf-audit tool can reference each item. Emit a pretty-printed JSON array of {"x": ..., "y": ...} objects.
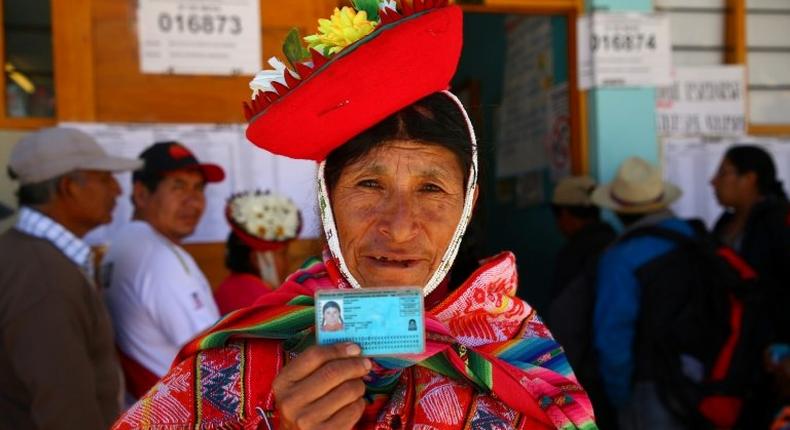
[{"x": 157, "y": 296}]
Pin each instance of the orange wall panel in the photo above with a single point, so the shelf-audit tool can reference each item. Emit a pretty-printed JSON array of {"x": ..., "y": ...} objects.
[{"x": 123, "y": 94}]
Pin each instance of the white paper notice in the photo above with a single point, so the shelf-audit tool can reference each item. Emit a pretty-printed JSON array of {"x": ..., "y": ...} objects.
[
  {"x": 558, "y": 139},
  {"x": 199, "y": 37},
  {"x": 624, "y": 50},
  {"x": 708, "y": 101},
  {"x": 523, "y": 123}
]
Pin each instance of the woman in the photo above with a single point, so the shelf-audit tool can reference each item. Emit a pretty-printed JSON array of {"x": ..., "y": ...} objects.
[
  {"x": 397, "y": 184},
  {"x": 262, "y": 225},
  {"x": 755, "y": 203},
  {"x": 332, "y": 320},
  {"x": 756, "y": 223},
  {"x": 244, "y": 284}
]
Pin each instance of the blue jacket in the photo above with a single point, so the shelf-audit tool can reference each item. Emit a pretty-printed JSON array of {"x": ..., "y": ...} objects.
[{"x": 618, "y": 301}]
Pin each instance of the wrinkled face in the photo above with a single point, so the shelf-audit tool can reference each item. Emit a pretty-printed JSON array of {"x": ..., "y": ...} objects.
[
  {"x": 175, "y": 207},
  {"x": 331, "y": 316},
  {"x": 731, "y": 188},
  {"x": 396, "y": 210},
  {"x": 94, "y": 196}
]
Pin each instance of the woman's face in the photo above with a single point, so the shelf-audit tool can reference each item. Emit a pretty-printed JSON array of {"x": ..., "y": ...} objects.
[
  {"x": 396, "y": 210},
  {"x": 331, "y": 316},
  {"x": 730, "y": 187}
]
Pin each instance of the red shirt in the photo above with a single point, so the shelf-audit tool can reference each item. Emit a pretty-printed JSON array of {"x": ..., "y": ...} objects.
[{"x": 239, "y": 290}]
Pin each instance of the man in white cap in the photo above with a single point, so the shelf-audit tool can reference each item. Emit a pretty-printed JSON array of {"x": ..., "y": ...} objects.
[
  {"x": 641, "y": 199},
  {"x": 58, "y": 365}
]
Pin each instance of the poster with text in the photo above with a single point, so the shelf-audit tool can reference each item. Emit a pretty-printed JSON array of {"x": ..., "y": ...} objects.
[{"x": 199, "y": 37}]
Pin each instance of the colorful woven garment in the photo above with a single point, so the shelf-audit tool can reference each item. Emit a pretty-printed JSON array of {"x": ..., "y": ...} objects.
[{"x": 489, "y": 363}]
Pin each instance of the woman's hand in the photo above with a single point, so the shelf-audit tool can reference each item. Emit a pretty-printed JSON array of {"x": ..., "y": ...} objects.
[{"x": 322, "y": 388}]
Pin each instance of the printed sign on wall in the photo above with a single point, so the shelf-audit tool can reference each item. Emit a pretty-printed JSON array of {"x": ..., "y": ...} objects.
[
  {"x": 624, "y": 50},
  {"x": 199, "y": 37},
  {"x": 707, "y": 101}
]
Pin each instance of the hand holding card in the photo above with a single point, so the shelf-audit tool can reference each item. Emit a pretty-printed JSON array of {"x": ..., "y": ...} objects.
[
  {"x": 382, "y": 321},
  {"x": 322, "y": 388}
]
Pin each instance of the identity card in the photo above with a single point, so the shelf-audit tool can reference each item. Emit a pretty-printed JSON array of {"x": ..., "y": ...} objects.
[{"x": 382, "y": 321}]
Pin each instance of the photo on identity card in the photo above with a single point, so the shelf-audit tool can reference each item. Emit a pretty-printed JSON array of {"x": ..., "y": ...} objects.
[{"x": 382, "y": 321}]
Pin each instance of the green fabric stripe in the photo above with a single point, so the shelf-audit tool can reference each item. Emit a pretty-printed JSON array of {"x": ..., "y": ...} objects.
[
  {"x": 481, "y": 369},
  {"x": 439, "y": 364},
  {"x": 280, "y": 328}
]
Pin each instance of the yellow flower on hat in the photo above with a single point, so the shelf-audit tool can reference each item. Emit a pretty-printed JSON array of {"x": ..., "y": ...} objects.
[{"x": 345, "y": 27}]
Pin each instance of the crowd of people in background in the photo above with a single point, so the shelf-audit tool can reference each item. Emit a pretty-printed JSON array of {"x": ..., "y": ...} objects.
[
  {"x": 625, "y": 300},
  {"x": 669, "y": 325},
  {"x": 83, "y": 339}
]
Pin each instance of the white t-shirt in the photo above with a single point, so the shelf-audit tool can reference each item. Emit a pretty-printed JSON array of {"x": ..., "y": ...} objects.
[{"x": 157, "y": 296}]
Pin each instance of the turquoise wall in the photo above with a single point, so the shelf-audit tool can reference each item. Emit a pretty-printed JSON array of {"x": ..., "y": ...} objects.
[{"x": 621, "y": 121}]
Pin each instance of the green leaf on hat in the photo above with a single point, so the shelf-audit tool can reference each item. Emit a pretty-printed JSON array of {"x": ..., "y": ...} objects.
[
  {"x": 371, "y": 8},
  {"x": 293, "y": 48}
]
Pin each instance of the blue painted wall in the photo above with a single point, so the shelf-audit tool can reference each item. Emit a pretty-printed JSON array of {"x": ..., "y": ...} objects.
[{"x": 621, "y": 121}]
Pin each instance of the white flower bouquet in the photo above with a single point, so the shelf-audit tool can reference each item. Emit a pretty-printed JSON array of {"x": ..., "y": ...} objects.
[{"x": 264, "y": 217}]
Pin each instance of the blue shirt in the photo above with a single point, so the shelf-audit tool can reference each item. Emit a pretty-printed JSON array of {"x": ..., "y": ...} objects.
[{"x": 618, "y": 300}]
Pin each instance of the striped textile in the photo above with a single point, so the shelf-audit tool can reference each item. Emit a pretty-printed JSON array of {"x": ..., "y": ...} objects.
[
  {"x": 482, "y": 333},
  {"x": 36, "y": 224}
]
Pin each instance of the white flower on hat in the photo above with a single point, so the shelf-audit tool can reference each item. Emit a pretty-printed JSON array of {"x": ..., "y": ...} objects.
[
  {"x": 262, "y": 81},
  {"x": 388, "y": 4},
  {"x": 266, "y": 216}
]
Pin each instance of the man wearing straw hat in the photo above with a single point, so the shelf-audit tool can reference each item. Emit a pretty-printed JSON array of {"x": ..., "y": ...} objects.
[{"x": 640, "y": 199}]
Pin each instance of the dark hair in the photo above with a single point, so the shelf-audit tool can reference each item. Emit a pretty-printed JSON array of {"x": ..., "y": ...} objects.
[
  {"x": 433, "y": 120},
  {"x": 629, "y": 219},
  {"x": 43, "y": 192},
  {"x": 330, "y": 304},
  {"x": 150, "y": 181},
  {"x": 590, "y": 213},
  {"x": 751, "y": 158},
  {"x": 237, "y": 255}
]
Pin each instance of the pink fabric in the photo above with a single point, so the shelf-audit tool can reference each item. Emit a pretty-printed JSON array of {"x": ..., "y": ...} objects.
[{"x": 239, "y": 290}]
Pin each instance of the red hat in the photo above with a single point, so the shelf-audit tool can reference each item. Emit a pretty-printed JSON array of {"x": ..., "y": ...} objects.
[
  {"x": 412, "y": 53},
  {"x": 164, "y": 157}
]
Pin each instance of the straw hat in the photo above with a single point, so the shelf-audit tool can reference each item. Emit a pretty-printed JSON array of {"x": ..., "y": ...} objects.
[
  {"x": 637, "y": 188},
  {"x": 574, "y": 191}
]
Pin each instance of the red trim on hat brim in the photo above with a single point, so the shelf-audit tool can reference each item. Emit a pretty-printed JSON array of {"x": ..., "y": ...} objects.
[
  {"x": 254, "y": 242},
  {"x": 210, "y": 172},
  {"x": 393, "y": 67}
]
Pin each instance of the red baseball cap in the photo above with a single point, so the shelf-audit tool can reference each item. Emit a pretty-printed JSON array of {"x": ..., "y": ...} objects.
[{"x": 164, "y": 157}]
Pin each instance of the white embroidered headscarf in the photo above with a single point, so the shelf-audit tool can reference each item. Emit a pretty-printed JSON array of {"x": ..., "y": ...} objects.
[{"x": 446, "y": 263}]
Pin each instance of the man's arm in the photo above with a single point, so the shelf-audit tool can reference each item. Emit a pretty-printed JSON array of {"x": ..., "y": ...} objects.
[{"x": 614, "y": 325}]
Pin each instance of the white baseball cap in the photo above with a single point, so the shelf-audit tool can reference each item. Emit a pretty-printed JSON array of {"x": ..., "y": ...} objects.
[{"x": 51, "y": 152}]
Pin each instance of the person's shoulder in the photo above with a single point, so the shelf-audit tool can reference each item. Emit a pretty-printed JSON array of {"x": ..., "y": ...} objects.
[
  {"x": 138, "y": 244},
  {"x": 20, "y": 250},
  {"x": 773, "y": 214},
  {"x": 33, "y": 271}
]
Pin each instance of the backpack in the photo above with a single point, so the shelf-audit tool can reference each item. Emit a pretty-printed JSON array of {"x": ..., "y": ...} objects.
[{"x": 698, "y": 327}]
